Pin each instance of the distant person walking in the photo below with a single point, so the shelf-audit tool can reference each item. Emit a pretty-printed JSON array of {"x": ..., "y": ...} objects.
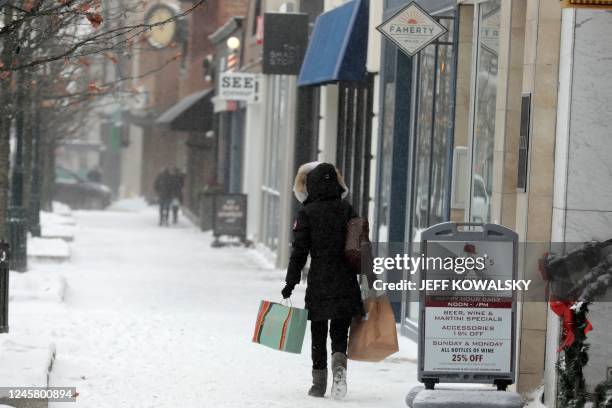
[
  {"x": 163, "y": 189},
  {"x": 169, "y": 188},
  {"x": 177, "y": 182}
]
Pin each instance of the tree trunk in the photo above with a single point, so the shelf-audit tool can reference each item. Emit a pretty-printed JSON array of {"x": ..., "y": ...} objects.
[
  {"x": 47, "y": 182},
  {"x": 27, "y": 142},
  {"x": 5, "y": 127}
]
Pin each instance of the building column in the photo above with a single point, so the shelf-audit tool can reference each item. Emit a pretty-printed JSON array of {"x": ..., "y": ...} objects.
[
  {"x": 582, "y": 206},
  {"x": 508, "y": 112},
  {"x": 328, "y": 125},
  {"x": 534, "y": 207},
  {"x": 287, "y": 176},
  {"x": 254, "y": 156}
]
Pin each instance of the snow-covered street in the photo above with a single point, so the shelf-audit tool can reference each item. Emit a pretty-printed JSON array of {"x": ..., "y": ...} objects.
[{"x": 155, "y": 317}]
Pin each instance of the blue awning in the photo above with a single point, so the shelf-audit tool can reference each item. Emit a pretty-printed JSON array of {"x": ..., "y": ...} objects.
[{"x": 338, "y": 46}]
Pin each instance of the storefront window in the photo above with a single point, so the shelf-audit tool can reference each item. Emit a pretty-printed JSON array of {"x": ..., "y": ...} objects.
[
  {"x": 424, "y": 116},
  {"x": 433, "y": 118},
  {"x": 275, "y": 145},
  {"x": 417, "y": 130},
  {"x": 386, "y": 155},
  {"x": 483, "y": 139}
]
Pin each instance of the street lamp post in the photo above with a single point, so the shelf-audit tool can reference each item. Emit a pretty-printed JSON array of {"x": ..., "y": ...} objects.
[{"x": 17, "y": 214}]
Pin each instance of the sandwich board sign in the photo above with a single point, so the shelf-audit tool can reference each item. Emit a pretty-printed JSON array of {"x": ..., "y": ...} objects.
[
  {"x": 230, "y": 215},
  {"x": 411, "y": 29},
  {"x": 467, "y": 330}
]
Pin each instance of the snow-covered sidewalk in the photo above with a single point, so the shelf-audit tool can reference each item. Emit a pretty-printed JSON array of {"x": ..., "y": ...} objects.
[{"x": 155, "y": 317}]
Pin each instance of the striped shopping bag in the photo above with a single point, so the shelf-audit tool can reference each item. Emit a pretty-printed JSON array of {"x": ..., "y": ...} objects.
[{"x": 280, "y": 327}]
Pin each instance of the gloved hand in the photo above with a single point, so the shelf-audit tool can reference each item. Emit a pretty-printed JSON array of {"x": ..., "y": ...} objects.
[{"x": 286, "y": 292}]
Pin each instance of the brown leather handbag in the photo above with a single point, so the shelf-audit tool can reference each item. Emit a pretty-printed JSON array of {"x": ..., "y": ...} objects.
[
  {"x": 358, "y": 248},
  {"x": 357, "y": 234}
]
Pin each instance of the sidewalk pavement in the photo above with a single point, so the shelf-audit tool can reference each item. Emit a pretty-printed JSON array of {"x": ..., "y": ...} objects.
[
  {"x": 144, "y": 316},
  {"x": 155, "y": 317}
]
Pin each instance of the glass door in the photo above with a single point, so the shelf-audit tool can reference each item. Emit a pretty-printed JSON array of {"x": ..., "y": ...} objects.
[
  {"x": 433, "y": 119},
  {"x": 431, "y": 147},
  {"x": 274, "y": 147},
  {"x": 353, "y": 152},
  {"x": 484, "y": 100}
]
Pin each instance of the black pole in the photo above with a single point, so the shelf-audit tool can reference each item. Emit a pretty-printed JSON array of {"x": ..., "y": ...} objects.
[
  {"x": 34, "y": 207},
  {"x": 4, "y": 286},
  {"x": 17, "y": 176},
  {"x": 17, "y": 217}
]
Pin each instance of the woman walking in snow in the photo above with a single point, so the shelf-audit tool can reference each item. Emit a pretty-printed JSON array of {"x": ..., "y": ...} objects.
[{"x": 333, "y": 296}]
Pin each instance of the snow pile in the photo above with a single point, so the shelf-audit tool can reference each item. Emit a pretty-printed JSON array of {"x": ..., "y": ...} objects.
[
  {"x": 54, "y": 249},
  {"x": 52, "y": 219},
  {"x": 65, "y": 232},
  {"x": 264, "y": 258},
  {"x": 36, "y": 286},
  {"x": 129, "y": 205},
  {"x": 61, "y": 208},
  {"x": 57, "y": 226},
  {"x": 24, "y": 361},
  {"x": 534, "y": 399}
]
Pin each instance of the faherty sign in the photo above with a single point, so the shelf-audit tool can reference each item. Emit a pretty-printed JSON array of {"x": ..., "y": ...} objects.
[{"x": 411, "y": 29}]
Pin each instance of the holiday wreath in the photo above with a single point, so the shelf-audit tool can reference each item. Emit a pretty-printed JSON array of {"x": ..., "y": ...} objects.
[{"x": 575, "y": 280}]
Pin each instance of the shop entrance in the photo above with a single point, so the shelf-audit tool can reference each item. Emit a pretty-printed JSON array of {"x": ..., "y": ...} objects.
[
  {"x": 431, "y": 143},
  {"x": 354, "y": 151}
]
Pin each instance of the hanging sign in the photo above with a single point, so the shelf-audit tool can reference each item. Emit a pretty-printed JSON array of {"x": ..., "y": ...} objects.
[
  {"x": 411, "y": 29},
  {"x": 284, "y": 43},
  {"x": 467, "y": 329},
  {"x": 238, "y": 86}
]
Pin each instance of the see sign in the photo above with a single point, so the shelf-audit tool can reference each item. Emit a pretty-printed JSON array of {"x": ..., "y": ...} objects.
[{"x": 238, "y": 86}]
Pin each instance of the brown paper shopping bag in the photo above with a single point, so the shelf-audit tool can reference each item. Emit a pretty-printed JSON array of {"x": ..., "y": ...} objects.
[{"x": 374, "y": 337}]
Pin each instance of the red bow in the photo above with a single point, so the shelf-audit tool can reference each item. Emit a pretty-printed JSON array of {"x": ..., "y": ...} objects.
[{"x": 563, "y": 309}]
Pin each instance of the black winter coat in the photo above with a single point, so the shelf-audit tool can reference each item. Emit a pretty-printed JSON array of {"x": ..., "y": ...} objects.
[
  {"x": 169, "y": 185},
  {"x": 320, "y": 230}
]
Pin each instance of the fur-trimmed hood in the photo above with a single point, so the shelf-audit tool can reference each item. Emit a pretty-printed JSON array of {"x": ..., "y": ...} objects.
[{"x": 300, "y": 186}]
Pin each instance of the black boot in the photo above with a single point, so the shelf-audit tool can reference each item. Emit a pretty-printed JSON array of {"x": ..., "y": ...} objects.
[
  {"x": 338, "y": 390},
  {"x": 319, "y": 383}
]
